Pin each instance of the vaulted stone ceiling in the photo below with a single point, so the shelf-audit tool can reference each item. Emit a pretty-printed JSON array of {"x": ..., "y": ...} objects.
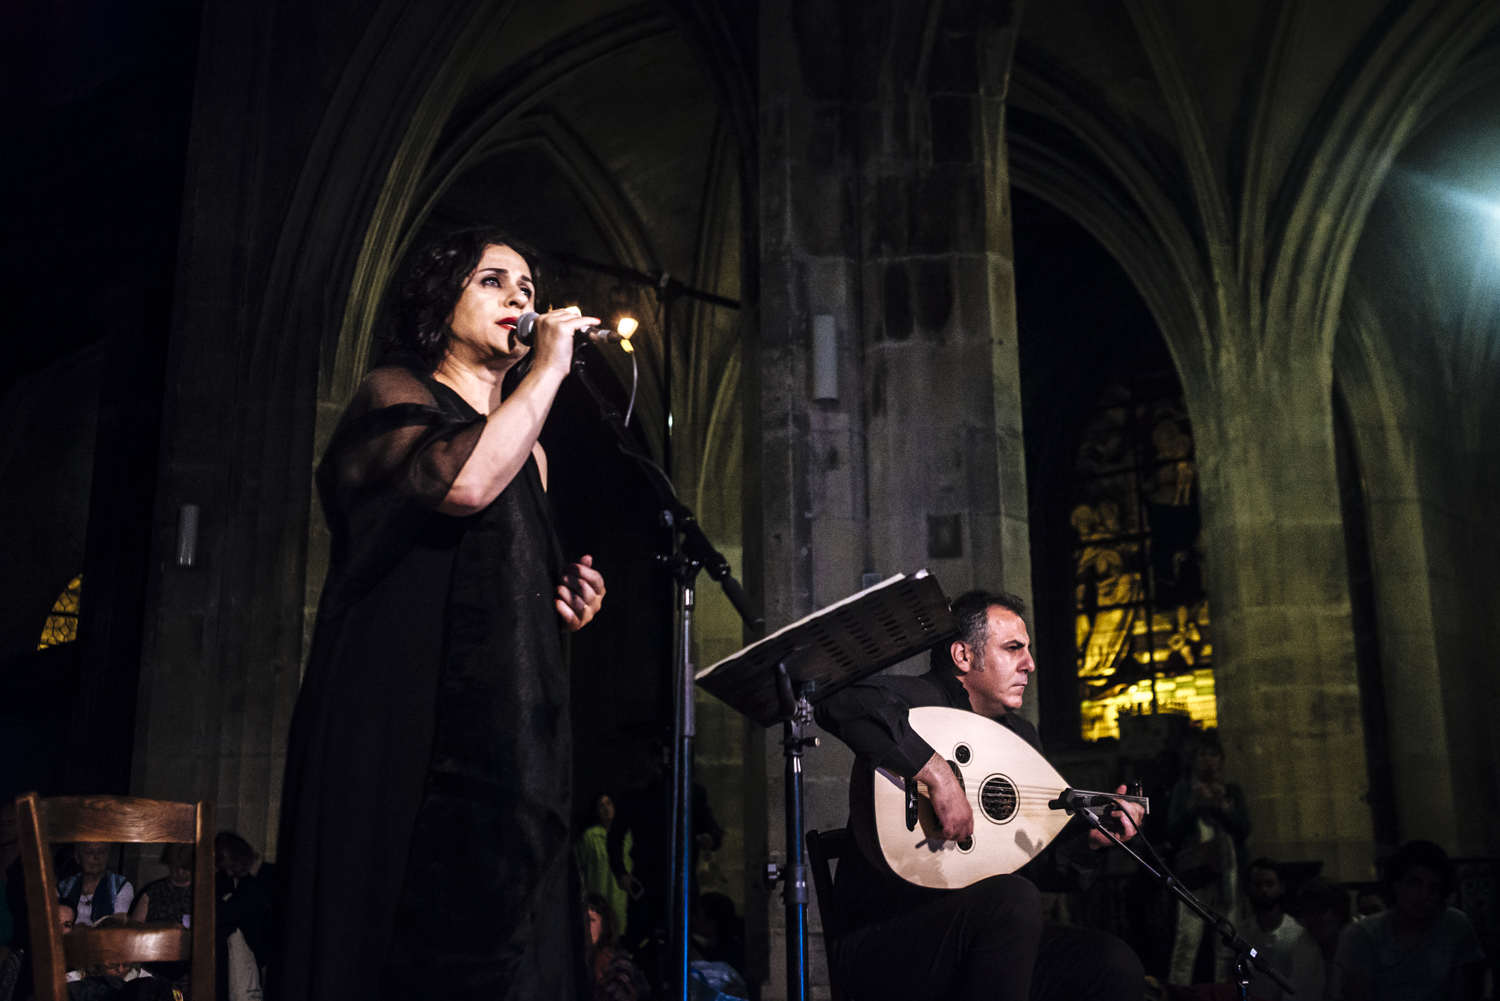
[{"x": 1227, "y": 153}]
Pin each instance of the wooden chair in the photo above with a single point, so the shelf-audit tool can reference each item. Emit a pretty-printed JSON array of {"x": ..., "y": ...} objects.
[
  {"x": 822, "y": 848},
  {"x": 44, "y": 822}
]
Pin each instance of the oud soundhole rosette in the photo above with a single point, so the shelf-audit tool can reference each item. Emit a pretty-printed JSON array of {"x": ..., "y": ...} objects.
[{"x": 998, "y": 799}]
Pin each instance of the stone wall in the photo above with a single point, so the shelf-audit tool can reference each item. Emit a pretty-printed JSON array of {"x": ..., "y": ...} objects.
[{"x": 883, "y": 206}]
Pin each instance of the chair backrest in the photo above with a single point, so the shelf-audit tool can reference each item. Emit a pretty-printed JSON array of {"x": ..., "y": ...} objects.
[
  {"x": 822, "y": 848},
  {"x": 44, "y": 822}
]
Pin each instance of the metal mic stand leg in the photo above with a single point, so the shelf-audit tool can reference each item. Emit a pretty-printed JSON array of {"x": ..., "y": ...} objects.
[
  {"x": 685, "y": 725},
  {"x": 797, "y": 715}
]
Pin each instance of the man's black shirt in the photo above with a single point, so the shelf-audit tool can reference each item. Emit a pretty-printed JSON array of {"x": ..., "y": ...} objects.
[{"x": 871, "y": 718}]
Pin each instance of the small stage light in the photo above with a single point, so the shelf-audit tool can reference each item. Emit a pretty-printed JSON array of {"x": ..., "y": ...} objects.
[{"x": 625, "y": 328}]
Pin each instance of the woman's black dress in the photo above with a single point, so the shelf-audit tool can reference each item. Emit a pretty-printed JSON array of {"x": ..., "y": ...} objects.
[{"x": 424, "y": 825}]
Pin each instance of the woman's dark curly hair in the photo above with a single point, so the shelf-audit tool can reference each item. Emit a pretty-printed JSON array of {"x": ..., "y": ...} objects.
[{"x": 433, "y": 284}]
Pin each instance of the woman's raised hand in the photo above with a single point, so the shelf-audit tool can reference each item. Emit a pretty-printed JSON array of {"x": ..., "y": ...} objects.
[
  {"x": 581, "y": 592},
  {"x": 554, "y": 337}
]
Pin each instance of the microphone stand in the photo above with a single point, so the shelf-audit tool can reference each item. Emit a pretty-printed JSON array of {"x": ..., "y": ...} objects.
[
  {"x": 691, "y": 552},
  {"x": 1246, "y": 955}
]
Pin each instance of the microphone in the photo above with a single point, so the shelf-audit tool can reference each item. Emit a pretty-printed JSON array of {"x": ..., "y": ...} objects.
[
  {"x": 1072, "y": 800},
  {"x": 526, "y": 332}
]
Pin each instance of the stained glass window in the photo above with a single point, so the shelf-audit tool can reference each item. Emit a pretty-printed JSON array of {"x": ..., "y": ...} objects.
[
  {"x": 62, "y": 625},
  {"x": 1141, "y": 615}
]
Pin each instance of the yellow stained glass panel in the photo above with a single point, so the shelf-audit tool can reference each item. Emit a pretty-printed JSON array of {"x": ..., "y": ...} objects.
[
  {"x": 1192, "y": 695},
  {"x": 62, "y": 625}
]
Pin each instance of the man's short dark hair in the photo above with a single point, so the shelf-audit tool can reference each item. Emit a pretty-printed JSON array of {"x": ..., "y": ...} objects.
[
  {"x": 1425, "y": 854},
  {"x": 235, "y": 847},
  {"x": 433, "y": 283},
  {"x": 972, "y": 610},
  {"x": 1264, "y": 863}
]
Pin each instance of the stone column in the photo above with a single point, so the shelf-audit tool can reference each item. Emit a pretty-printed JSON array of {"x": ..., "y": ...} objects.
[
  {"x": 269, "y": 241},
  {"x": 1288, "y": 691},
  {"x": 941, "y": 380},
  {"x": 884, "y": 206}
]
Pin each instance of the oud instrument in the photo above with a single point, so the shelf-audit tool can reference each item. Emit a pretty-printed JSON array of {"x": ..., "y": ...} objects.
[{"x": 1017, "y": 797}]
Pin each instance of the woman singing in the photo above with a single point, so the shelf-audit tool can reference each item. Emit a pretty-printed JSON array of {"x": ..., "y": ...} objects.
[{"x": 424, "y": 821}]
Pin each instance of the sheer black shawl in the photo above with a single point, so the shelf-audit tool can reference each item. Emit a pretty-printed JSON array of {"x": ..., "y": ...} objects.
[{"x": 426, "y": 802}]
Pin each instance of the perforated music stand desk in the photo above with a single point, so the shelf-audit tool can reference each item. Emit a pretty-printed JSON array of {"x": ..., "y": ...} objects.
[
  {"x": 835, "y": 646},
  {"x": 779, "y": 679}
]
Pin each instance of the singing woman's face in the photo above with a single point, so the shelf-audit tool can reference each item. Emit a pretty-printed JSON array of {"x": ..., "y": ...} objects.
[{"x": 482, "y": 328}]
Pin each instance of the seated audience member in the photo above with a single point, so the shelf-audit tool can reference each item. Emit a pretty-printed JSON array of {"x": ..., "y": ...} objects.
[
  {"x": 244, "y": 886},
  {"x": 1323, "y": 910},
  {"x": 95, "y": 892},
  {"x": 720, "y": 931},
  {"x": 616, "y": 977},
  {"x": 117, "y": 981},
  {"x": 169, "y": 898},
  {"x": 1283, "y": 941},
  {"x": 16, "y": 969},
  {"x": 123, "y": 972},
  {"x": 593, "y": 859},
  {"x": 242, "y": 927},
  {"x": 1419, "y": 950}
]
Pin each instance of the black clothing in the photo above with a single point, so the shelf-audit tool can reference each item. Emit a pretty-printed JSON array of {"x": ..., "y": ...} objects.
[
  {"x": 115, "y": 989},
  {"x": 244, "y": 906},
  {"x": 428, "y": 766},
  {"x": 987, "y": 940},
  {"x": 871, "y": 718},
  {"x": 166, "y": 901}
]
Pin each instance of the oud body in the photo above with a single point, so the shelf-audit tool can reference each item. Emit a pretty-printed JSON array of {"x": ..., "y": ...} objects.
[{"x": 1008, "y": 785}]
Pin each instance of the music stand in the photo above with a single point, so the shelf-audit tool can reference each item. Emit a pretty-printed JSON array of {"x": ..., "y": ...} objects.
[{"x": 780, "y": 679}]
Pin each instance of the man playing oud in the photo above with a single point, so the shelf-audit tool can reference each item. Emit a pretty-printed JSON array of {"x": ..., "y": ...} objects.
[{"x": 987, "y": 940}]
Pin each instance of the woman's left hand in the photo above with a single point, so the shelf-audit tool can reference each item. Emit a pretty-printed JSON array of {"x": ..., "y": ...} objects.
[{"x": 580, "y": 594}]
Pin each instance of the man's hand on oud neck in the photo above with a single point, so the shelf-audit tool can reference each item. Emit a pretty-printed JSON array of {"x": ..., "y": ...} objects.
[
  {"x": 948, "y": 800},
  {"x": 1125, "y": 822}
]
